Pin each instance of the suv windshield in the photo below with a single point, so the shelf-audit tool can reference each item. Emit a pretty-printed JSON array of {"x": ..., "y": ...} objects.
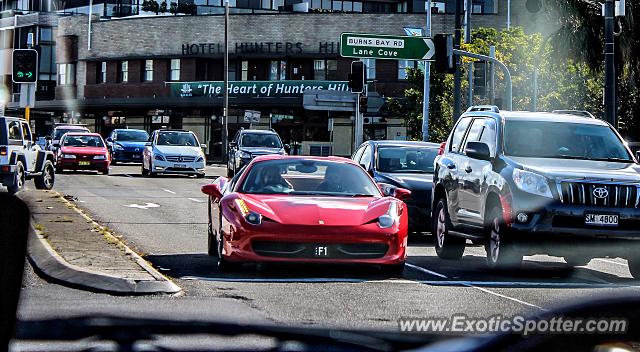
[
  {"x": 308, "y": 177},
  {"x": 541, "y": 139},
  {"x": 263, "y": 140},
  {"x": 132, "y": 136},
  {"x": 177, "y": 139},
  {"x": 406, "y": 159},
  {"x": 82, "y": 141},
  {"x": 59, "y": 132}
]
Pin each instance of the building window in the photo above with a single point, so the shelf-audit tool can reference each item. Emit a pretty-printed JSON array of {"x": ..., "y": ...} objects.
[
  {"x": 319, "y": 70},
  {"x": 148, "y": 71},
  {"x": 174, "y": 71},
  {"x": 66, "y": 74},
  {"x": 102, "y": 72},
  {"x": 371, "y": 68},
  {"x": 245, "y": 71},
  {"x": 123, "y": 74},
  {"x": 403, "y": 65},
  {"x": 278, "y": 70}
]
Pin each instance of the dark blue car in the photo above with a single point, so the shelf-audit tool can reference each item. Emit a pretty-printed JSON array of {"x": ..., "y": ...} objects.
[
  {"x": 127, "y": 145},
  {"x": 404, "y": 164}
]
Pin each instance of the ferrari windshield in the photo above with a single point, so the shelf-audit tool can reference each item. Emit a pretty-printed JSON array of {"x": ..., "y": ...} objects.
[{"x": 308, "y": 177}]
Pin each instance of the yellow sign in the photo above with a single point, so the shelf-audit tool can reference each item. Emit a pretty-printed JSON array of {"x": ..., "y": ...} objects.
[{"x": 27, "y": 113}]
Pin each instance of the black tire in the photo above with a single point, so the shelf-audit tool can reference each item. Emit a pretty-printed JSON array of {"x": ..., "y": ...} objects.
[
  {"x": 212, "y": 242},
  {"x": 59, "y": 169},
  {"x": 144, "y": 171},
  {"x": 199, "y": 175},
  {"x": 499, "y": 247},
  {"x": 19, "y": 180},
  {"x": 47, "y": 178},
  {"x": 105, "y": 171},
  {"x": 447, "y": 246},
  {"x": 576, "y": 260},
  {"x": 393, "y": 270},
  {"x": 229, "y": 172},
  {"x": 634, "y": 267},
  {"x": 224, "y": 265}
]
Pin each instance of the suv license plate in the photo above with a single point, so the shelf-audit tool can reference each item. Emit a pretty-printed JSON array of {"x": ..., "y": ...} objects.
[
  {"x": 601, "y": 219},
  {"x": 180, "y": 166},
  {"x": 84, "y": 163}
]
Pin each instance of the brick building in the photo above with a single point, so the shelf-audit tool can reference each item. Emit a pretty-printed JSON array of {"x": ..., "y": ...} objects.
[{"x": 150, "y": 71}]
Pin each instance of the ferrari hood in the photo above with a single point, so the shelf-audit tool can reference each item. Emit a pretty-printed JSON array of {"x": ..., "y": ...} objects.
[{"x": 306, "y": 210}]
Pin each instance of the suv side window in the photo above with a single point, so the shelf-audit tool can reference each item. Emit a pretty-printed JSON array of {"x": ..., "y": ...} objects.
[
  {"x": 358, "y": 153},
  {"x": 489, "y": 135},
  {"x": 474, "y": 133},
  {"x": 458, "y": 134},
  {"x": 365, "y": 160},
  {"x": 14, "y": 131},
  {"x": 26, "y": 132}
]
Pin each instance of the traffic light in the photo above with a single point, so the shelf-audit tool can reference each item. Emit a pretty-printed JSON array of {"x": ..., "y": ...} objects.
[
  {"x": 445, "y": 61},
  {"x": 357, "y": 77},
  {"x": 363, "y": 104},
  {"x": 480, "y": 78},
  {"x": 25, "y": 66}
]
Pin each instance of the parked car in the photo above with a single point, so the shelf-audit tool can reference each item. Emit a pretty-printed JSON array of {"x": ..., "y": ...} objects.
[
  {"x": 247, "y": 144},
  {"x": 126, "y": 145},
  {"x": 83, "y": 151},
  {"x": 407, "y": 165},
  {"x": 537, "y": 183},
  {"x": 21, "y": 158},
  {"x": 305, "y": 209},
  {"x": 173, "y": 152},
  {"x": 59, "y": 130}
]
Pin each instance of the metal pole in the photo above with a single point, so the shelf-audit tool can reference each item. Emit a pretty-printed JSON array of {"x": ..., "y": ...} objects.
[
  {"x": 470, "y": 83},
  {"x": 225, "y": 109},
  {"x": 508, "y": 14},
  {"x": 357, "y": 135},
  {"x": 535, "y": 89},
  {"x": 507, "y": 74},
  {"x": 492, "y": 54},
  {"x": 89, "y": 26},
  {"x": 609, "y": 64},
  {"x": 457, "y": 77},
  {"x": 467, "y": 21},
  {"x": 427, "y": 82}
]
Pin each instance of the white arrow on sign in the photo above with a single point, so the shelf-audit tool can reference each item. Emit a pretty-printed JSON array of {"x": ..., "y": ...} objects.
[
  {"x": 142, "y": 206},
  {"x": 432, "y": 49}
]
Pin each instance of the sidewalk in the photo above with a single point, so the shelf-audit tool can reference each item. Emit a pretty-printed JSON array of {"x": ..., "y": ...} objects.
[{"x": 69, "y": 247}]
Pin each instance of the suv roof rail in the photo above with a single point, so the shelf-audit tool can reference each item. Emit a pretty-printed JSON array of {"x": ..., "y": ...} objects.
[
  {"x": 491, "y": 108},
  {"x": 582, "y": 113}
]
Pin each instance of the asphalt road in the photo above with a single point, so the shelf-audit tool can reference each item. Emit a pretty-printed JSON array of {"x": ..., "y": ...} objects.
[{"x": 164, "y": 219}]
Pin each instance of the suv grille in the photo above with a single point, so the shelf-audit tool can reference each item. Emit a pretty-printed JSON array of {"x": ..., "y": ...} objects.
[
  {"x": 181, "y": 159},
  {"x": 615, "y": 195}
]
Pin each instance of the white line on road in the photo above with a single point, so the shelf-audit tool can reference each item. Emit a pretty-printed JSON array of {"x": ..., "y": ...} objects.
[
  {"x": 421, "y": 269},
  {"x": 128, "y": 175},
  {"x": 195, "y": 200},
  {"x": 169, "y": 191},
  {"x": 610, "y": 261},
  {"x": 142, "y": 206},
  {"x": 274, "y": 280}
]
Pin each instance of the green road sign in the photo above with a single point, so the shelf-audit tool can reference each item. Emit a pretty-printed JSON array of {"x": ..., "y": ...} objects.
[{"x": 362, "y": 45}]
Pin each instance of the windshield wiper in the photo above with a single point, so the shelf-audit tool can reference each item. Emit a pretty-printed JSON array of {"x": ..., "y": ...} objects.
[{"x": 359, "y": 195}]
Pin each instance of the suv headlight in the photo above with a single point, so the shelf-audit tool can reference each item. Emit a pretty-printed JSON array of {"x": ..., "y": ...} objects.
[
  {"x": 532, "y": 183},
  {"x": 243, "y": 155},
  {"x": 117, "y": 147},
  {"x": 387, "y": 220}
]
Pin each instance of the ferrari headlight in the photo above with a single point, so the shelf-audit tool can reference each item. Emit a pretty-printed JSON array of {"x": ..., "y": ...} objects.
[
  {"x": 117, "y": 147},
  {"x": 249, "y": 215},
  {"x": 387, "y": 220},
  {"x": 532, "y": 183}
]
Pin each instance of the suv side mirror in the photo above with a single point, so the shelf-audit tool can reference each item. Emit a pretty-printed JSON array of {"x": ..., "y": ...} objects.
[
  {"x": 478, "y": 150},
  {"x": 233, "y": 144},
  {"x": 203, "y": 146},
  {"x": 638, "y": 155},
  {"x": 109, "y": 140}
]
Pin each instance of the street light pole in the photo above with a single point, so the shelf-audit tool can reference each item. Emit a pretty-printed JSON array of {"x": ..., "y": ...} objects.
[
  {"x": 456, "y": 76},
  {"x": 225, "y": 109},
  {"x": 609, "y": 64},
  {"x": 427, "y": 82}
]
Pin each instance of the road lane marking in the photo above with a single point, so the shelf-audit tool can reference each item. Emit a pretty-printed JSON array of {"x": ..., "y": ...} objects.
[
  {"x": 169, "y": 191},
  {"x": 421, "y": 269},
  {"x": 142, "y": 206},
  {"x": 293, "y": 280},
  {"x": 610, "y": 261},
  {"x": 196, "y": 200}
]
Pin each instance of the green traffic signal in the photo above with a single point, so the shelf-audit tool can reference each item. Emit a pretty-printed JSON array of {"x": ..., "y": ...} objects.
[{"x": 25, "y": 64}]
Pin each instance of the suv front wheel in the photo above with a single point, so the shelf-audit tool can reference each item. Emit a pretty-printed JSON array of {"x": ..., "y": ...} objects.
[
  {"x": 501, "y": 253},
  {"x": 447, "y": 246},
  {"x": 18, "y": 182}
]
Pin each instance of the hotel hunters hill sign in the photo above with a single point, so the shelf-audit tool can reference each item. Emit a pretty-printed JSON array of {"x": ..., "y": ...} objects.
[
  {"x": 252, "y": 89},
  {"x": 248, "y": 48}
]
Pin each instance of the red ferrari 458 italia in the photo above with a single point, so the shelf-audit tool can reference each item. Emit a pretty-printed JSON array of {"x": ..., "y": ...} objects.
[{"x": 306, "y": 209}]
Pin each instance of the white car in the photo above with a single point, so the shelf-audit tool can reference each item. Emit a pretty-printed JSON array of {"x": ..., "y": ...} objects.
[{"x": 173, "y": 152}]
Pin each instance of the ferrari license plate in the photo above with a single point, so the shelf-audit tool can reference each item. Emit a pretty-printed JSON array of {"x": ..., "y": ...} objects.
[
  {"x": 321, "y": 251},
  {"x": 601, "y": 219},
  {"x": 84, "y": 163},
  {"x": 180, "y": 166}
]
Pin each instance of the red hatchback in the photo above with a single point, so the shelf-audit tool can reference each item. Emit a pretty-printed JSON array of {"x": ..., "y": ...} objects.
[
  {"x": 83, "y": 151},
  {"x": 306, "y": 209}
]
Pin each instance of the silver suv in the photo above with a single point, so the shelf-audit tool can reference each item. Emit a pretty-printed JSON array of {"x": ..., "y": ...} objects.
[{"x": 21, "y": 158}]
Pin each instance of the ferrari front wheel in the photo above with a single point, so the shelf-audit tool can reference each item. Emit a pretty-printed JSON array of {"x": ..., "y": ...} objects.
[{"x": 223, "y": 264}]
